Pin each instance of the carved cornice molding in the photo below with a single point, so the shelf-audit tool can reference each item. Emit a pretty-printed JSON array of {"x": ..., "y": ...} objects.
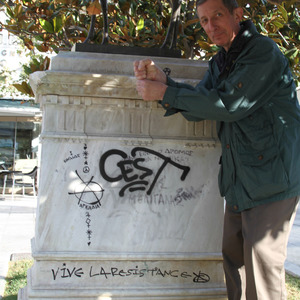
[
  {"x": 101, "y": 100},
  {"x": 90, "y": 116}
]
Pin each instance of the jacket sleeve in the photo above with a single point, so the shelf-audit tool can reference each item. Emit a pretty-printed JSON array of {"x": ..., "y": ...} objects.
[
  {"x": 172, "y": 110},
  {"x": 254, "y": 81}
]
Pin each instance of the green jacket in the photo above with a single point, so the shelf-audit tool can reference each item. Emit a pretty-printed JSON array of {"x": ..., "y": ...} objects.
[{"x": 250, "y": 92}]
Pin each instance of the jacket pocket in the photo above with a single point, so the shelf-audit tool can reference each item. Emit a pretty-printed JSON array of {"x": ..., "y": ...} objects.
[
  {"x": 262, "y": 173},
  {"x": 226, "y": 178}
]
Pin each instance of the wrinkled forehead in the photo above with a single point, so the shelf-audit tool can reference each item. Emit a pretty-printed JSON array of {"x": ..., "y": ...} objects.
[{"x": 211, "y": 7}]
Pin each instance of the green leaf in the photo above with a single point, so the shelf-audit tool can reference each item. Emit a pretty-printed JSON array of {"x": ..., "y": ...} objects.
[
  {"x": 140, "y": 25},
  {"x": 24, "y": 88},
  {"x": 46, "y": 25},
  {"x": 278, "y": 24},
  {"x": 58, "y": 23},
  {"x": 283, "y": 12},
  {"x": 9, "y": 12},
  {"x": 41, "y": 48},
  {"x": 39, "y": 38},
  {"x": 131, "y": 28},
  {"x": 204, "y": 45},
  {"x": 18, "y": 10},
  {"x": 292, "y": 53},
  {"x": 27, "y": 70}
]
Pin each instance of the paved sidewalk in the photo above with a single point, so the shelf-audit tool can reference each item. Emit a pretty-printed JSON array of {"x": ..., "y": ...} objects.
[{"x": 17, "y": 219}]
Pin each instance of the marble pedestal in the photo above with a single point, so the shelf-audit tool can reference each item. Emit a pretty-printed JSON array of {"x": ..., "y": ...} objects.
[{"x": 128, "y": 204}]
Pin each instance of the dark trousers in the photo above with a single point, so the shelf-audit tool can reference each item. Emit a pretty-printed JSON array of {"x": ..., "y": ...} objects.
[{"x": 254, "y": 250}]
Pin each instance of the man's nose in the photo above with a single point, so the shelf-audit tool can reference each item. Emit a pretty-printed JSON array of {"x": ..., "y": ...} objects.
[{"x": 211, "y": 25}]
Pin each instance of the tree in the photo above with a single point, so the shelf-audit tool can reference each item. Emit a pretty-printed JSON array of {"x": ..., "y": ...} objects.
[{"x": 53, "y": 25}]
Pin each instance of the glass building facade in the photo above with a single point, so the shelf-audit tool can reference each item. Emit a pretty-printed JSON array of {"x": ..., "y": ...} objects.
[
  {"x": 18, "y": 140},
  {"x": 20, "y": 128}
]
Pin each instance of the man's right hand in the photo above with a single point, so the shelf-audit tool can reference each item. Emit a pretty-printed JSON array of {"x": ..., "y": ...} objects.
[{"x": 146, "y": 69}]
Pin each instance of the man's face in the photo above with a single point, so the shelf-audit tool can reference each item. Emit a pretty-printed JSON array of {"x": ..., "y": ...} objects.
[{"x": 220, "y": 25}]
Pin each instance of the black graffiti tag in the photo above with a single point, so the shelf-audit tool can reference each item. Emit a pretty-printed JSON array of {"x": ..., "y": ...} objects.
[
  {"x": 201, "y": 277},
  {"x": 110, "y": 272},
  {"x": 128, "y": 167}
]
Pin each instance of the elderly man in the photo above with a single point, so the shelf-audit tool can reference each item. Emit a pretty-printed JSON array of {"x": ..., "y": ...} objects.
[{"x": 249, "y": 91}]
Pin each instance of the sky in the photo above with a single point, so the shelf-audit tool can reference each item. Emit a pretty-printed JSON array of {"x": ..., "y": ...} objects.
[
  {"x": 12, "y": 55},
  {"x": 9, "y": 55}
]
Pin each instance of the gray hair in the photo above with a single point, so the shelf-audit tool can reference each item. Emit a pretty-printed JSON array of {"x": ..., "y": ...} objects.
[{"x": 231, "y": 5}]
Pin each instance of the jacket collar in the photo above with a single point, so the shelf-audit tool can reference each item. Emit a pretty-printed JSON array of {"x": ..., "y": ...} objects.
[
  {"x": 225, "y": 60},
  {"x": 247, "y": 31}
]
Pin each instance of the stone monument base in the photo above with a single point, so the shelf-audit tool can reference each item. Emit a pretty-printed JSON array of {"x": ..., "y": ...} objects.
[
  {"x": 128, "y": 204},
  {"x": 125, "y": 279}
]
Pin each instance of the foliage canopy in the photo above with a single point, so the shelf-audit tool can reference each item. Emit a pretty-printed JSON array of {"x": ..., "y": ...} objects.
[{"x": 52, "y": 25}]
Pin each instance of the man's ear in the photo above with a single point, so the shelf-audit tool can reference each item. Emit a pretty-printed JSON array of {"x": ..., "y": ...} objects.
[{"x": 238, "y": 14}]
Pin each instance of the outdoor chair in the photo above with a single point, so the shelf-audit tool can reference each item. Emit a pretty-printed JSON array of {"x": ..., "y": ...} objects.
[
  {"x": 4, "y": 174},
  {"x": 20, "y": 180}
]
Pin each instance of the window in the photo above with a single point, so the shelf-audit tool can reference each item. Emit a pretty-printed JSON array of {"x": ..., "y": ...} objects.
[{"x": 19, "y": 145}]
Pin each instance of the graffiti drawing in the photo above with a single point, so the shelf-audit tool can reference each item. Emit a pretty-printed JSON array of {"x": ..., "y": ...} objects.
[
  {"x": 141, "y": 170},
  {"x": 134, "y": 172},
  {"x": 136, "y": 273},
  {"x": 71, "y": 157},
  {"x": 86, "y": 168},
  {"x": 201, "y": 277},
  {"x": 89, "y": 231},
  {"x": 89, "y": 193}
]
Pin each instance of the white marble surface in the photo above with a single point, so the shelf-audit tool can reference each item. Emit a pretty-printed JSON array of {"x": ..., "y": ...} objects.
[
  {"x": 166, "y": 213},
  {"x": 128, "y": 200},
  {"x": 102, "y": 63}
]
